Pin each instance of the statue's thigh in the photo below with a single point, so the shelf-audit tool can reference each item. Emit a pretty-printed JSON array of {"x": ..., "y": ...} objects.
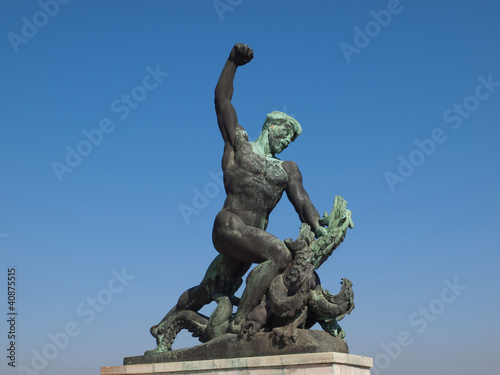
[
  {"x": 250, "y": 244},
  {"x": 228, "y": 267}
]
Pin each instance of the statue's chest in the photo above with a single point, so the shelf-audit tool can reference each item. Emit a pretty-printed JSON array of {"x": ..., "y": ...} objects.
[{"x": 251, "y": 164}]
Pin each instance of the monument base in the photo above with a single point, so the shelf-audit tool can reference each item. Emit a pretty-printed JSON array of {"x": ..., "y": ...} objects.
[
  {"x": 262, "y": 344},
  {"x": 297, "y": 364}
]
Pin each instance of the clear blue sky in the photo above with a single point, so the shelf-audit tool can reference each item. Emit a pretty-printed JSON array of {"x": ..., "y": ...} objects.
[{"x": 399, "y": 105}]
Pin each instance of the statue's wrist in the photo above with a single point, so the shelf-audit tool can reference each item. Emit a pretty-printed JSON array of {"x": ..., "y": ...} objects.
[{"x": 320, "y": 231}]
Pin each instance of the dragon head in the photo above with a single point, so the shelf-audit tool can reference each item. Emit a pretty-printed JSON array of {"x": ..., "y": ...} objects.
[{"x": 339, "y": 220}]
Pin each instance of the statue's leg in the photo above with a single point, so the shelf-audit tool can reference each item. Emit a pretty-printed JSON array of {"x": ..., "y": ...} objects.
[
  {"x": 192, "y": 299},
  {"x": 222, "y": 271},
  {"x": 252, "y": 245},
  {"x": 223, "y": 275}
]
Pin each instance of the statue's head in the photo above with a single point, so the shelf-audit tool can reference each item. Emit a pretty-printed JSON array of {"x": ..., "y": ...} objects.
[{"x": 281, "y": 130}]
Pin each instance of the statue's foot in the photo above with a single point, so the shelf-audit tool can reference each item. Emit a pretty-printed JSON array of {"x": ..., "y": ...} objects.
[
  {"x": 154, "y": 331},
  {"x": 286, "y": 335},
  {"x": 333, "y": 328},
  {"x": 160, "y": 349},
  {"x": 234, "y": 328},
  {"x": 249, "y": 328}
]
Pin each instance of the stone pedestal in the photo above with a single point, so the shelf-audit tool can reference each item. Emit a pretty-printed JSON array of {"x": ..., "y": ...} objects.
[
  {"x": 330, "y": 363},
  {"x": 262, "y": 344}
]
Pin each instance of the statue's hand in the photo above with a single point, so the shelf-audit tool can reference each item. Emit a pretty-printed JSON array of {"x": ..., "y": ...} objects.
[
  {"x": 320, "y": 232},
  {"x": 241, "y": 54},
  {"x": 325, "y": 220}
]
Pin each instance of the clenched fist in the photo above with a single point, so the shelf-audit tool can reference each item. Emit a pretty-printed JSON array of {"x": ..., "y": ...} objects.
[{"x": 241, "y": 54}]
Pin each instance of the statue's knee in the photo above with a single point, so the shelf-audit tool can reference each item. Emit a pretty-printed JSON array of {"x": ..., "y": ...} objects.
[
  {"x": 283, "y": 258},
  {"x": 193, "y": 296},
  {"x": 183, "y": 300},
  {"x": 288, "y": 258}
]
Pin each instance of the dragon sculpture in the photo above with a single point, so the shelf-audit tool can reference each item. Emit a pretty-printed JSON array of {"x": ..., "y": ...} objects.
[{"x": 295, "y": 298}]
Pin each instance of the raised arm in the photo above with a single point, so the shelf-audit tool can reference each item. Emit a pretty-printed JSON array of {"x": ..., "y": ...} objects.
[
  {"x": 226, "y": 115},
  {"x": 300, "y": 199}
]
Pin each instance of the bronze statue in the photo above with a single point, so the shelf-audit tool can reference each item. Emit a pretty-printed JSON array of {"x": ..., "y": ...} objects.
[{"x": 283, "y": 292}]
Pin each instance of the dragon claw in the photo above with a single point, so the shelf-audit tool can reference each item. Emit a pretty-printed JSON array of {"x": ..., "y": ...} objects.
[{"x": 286, "y": 335}]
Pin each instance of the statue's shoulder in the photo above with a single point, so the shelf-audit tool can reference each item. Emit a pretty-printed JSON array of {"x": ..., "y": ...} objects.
[
  {"x": 241, "y": 133},
  {"x": 290, "y": 166},
  {"x": 241, "y": 138},
  {"x": 237, "y": 142}
]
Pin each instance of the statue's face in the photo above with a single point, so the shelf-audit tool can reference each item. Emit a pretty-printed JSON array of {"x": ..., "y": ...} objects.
[{"x": 279, "y": 137}]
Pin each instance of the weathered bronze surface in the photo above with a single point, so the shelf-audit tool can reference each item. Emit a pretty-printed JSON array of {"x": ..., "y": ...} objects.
[
  {"x": 283, "y": 296},
  {"x": 230, "y": 346}
]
